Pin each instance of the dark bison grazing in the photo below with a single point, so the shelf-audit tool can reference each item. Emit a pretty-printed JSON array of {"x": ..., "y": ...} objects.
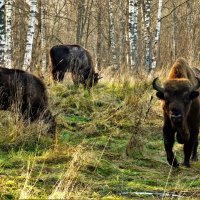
[
  {"x": 74, "y": 59},
  {"x": 25, "y": 93},
  {"x": 181, "y": 109}
]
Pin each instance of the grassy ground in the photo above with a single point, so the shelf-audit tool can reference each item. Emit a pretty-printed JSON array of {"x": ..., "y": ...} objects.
[{"x": 95, "y": 132}]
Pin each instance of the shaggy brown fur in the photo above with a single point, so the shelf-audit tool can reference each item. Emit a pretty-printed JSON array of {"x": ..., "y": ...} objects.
[{"x": 181, "y": 110}]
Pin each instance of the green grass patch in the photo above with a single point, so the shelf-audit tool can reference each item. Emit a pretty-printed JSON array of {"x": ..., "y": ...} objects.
[{"x": 90, "y": 161}]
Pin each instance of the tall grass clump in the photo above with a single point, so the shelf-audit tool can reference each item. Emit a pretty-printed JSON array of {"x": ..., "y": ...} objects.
[{"x": 15, "y": 133}]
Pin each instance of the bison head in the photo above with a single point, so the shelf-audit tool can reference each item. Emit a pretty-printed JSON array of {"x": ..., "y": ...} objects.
[{"x": 177, "y": 96}]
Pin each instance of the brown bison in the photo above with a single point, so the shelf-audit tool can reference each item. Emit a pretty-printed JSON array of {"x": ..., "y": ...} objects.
[
  {"x": 74, "y": 59},
  {"x": 181, "y": 110},
  {"x": 25, "y": 93}
]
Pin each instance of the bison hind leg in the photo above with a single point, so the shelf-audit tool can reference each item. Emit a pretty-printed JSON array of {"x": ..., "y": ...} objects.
[
  {"x": 194, "y": 157},
  {"x": 58, "y": 75},
  {"x": 61, "y": 76},
  {"x": 194, "y": 152}
]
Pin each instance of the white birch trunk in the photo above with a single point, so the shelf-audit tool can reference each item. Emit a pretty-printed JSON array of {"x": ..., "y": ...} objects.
[
  {"x": 30, "y": 35},
  {"x": 112, "y": 36},
  {"x": 2, "y": 30},
  {"x": 174, "y": 31},
  {"x": 157, "y": 35},
  {"x": 147, "y": 37},
  {"x": 8, "y": 38},
  {"x": 133, "y": 24},
  {"x": 43, "y": 41},
  {"x": 122, "y": 32},
  {"x": 99, "y": 37}
]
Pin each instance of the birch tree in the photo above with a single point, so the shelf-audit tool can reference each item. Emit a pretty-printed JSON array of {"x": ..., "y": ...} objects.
[
  {"x": 157, "y": 35},
  {"x": 2, "y": 30},
  {"x": 146, "y": 13},
  {"x": 88, "y": 16},
  {"x": 8, "y": 36},
  {"x": 133, "y": 34},
  {"x": 122, "y": 31},
  {"x": 174, "y": 31},
  {"x": 112, "y": 36},
  {"x": 42, "y": 20},
  {"x": 30, "y": 34},
  {"x": 99, "y": 37},
  {"x": 80, "y": 21}
]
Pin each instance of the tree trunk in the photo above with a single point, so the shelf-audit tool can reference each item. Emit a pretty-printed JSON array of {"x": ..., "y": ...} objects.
[
  {"x": 30, "y": 35},
  {"x": 99, "y": 37},
  {"x": 8, "y": 39},
  {"x": 122, "y": 32},
  {"x": 42, "y": 28},
  {"x": 133, "y": 25},
  {"x": 174, "y": 32},
  {"x": 2, "y": 31},
  {"x": 80, "y": 21},
  {"x": 157, "y": 35},
  {"x": 112, "y": 36},
  {"x": 88, "y": 18},
  {"x": 147, "y": 12}
]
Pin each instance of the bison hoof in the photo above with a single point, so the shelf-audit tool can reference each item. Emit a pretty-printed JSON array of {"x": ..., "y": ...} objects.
[
  {"x": 194, "y": 158},
  {"x": 174, "y": 163},
  {"x": 186, "y": 164}
]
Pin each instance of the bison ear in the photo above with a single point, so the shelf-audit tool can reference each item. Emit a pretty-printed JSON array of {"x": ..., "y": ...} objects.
[
  {"x": 160, "y": 95},
  {"x": 194, "y": 94}
]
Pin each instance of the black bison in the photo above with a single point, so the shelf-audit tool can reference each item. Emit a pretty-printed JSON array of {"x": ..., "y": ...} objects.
[
  {"x": 181, "y": 110},
  {"x": 74, "y": 59},
  {"x": 25, "y": 93}
]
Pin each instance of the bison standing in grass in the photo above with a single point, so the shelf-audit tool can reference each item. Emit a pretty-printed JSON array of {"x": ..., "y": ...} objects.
[
  {"x": 25, "y": 94},
  {"x": 181, "y": 110},
  {"x": 74, "y": 59}
]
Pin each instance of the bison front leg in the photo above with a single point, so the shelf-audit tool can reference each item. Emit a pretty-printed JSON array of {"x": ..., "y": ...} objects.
[
  {"x": 195, "y": 153},
  {"x": 190, "y": 148},
  {"x": 168, "y": 136}
]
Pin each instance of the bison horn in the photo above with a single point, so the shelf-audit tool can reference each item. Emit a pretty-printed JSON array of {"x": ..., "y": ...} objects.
[
  {"x": 156, "y": 86},
  {"x": 196, "y": 86}
]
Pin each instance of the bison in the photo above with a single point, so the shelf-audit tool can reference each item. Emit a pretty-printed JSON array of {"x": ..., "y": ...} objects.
[
  {"x": 181, "y": 110},
  {"x": 25, "y": 93},
  {"x": 74, "y": 59}
]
